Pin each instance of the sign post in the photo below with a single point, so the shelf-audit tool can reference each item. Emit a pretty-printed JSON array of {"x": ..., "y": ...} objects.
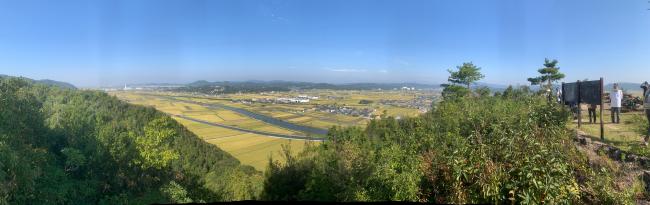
[
  {"x": 602, "y": 127},
  {"x": 579, "y": 107},
  {"x": 588, "y": 92}
]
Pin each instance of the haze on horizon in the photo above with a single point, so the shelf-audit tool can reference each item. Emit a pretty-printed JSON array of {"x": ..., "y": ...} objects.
[{"x": 108, "y": 43}]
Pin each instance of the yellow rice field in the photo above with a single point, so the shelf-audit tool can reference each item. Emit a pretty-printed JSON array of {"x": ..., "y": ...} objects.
[
  {"x": 255, "y": 149},
  {"x": 248, "y": 148}
]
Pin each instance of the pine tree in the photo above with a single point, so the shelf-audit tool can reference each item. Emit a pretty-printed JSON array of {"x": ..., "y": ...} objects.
[
  {"x": 549, "y": 73},
  {"x": 467, "y": 74}
]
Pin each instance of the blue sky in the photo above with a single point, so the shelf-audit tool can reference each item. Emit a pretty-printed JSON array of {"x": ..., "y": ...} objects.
[{"x": 100, "y": 43}]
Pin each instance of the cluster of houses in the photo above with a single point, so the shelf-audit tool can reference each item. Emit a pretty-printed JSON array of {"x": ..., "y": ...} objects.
[
  {"x": 355, "y": 112},
  {"x": 140, "y": 87},
  {"x": 283, "y": 100},
  {"x": 308, "y": 97},
  {"x": 292, "y": 100},
  {"x": 299, "y": 99},
  {"x": 422, "y": 103}
]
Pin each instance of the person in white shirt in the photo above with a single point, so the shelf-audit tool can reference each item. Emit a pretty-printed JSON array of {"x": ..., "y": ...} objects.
[{"x": 615, "y": 97}]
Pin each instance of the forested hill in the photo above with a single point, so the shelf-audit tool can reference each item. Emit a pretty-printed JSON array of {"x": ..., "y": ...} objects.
[
  {"x": 56, "y": 83},
  {"x": 65, "y": 146},
  {"x": 45, "y": 82}
]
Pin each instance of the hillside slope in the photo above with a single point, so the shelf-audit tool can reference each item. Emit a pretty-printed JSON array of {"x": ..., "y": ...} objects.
[
  {"x": 62, "y": 146},
  {"x": 513, "y": 148}
]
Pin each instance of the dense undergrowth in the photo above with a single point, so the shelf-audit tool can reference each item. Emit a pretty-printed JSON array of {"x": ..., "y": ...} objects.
[
  {"x": 514, "y": 147},
  {"x": 65, "y": 146}
]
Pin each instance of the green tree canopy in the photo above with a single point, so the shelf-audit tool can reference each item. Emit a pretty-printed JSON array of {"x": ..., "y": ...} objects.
[
  {"x": 466, "y": 74},
  {"x": 454, "y": 91},
  {"x": 483, "y": 91},
  {"x": 66, "y": 146},
  {"x": 461, "y": 80},
  {"x": 155, "y": 146},
  {"x": 549, "y": 73}
]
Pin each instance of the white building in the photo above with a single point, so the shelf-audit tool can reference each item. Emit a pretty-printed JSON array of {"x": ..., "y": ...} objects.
[{"x": 293, "y": 100}]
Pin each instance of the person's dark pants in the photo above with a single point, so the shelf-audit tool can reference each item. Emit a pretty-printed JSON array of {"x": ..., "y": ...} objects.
[
  {"x": 592, "y": 115},
  {"x": 574, "y": 110},
  {"x": 616, "y": 115}
]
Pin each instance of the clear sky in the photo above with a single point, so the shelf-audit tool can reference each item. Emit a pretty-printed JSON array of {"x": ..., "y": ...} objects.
[{"x": 100, "y": 43}]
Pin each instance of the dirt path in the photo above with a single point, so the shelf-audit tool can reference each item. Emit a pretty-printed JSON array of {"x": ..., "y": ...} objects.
[{"x": 632, "y": 167}]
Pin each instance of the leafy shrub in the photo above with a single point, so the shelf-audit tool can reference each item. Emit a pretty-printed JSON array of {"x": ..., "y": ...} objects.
[
  {"x": 64, "y": 146},
  {"x": 454, "y": 91},
  {"x": 492, "y": 150},
  {"x": 514, "y": 147}
]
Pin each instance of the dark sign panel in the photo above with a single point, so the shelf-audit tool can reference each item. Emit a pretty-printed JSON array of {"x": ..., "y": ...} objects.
[
  {"x": 570, "y": 93},
  {"x": 590, "y": 92}
]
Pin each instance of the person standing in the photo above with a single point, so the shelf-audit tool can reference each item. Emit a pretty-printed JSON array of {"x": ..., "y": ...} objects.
[
  {"x": 615, "y": 97},
  {"x": 646, "y": 106},
  {"x": 592, "y": 113},
  {"x": 574, "y": 109}
]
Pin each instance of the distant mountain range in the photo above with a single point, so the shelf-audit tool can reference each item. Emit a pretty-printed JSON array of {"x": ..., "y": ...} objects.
[
  {"x": 46, "y": 82},
  {"x": 625, "y": 86},
  {"x": 279, "y": 85},
  {"x": 290, "y": 85}
]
